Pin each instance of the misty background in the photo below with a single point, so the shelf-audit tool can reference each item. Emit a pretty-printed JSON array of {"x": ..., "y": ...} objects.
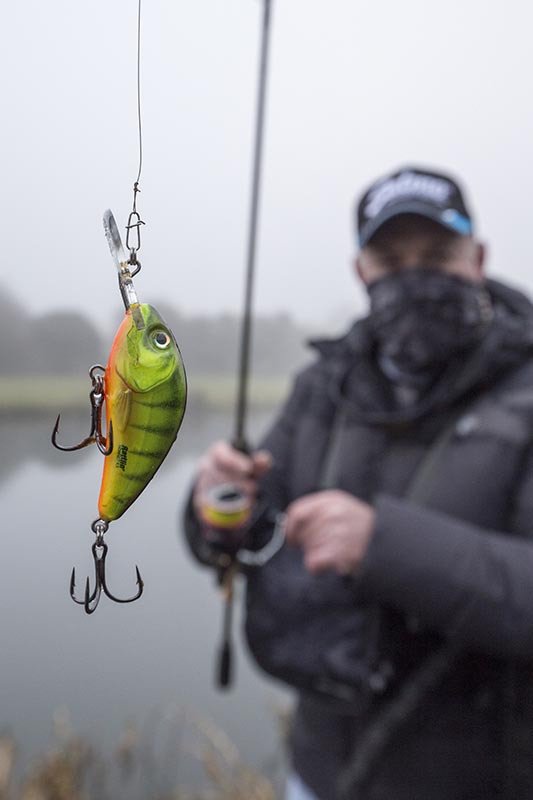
[{"x": 356, "y": 88}]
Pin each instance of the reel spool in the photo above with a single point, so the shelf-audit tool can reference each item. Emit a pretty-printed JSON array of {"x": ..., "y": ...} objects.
[{"x": 226, "y": 508}]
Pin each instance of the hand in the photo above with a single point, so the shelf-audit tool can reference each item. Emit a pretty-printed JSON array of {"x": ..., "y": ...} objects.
[
  {"x": 222, "y": 463},
  {"x": 333, "y": 528}
]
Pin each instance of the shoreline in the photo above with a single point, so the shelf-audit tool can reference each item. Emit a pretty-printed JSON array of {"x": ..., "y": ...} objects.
[{"x": 33, "y": 394}]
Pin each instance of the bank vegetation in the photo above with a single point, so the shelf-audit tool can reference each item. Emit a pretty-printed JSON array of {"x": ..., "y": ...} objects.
[{"x": 44, "y": 359}]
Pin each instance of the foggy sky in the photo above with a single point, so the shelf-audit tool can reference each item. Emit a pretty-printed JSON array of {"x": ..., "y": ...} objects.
[{"x": 357, "y": 87}]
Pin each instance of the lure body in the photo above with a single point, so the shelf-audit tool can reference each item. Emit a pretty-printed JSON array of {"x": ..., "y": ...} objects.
[{"x": 145, "y": 396}]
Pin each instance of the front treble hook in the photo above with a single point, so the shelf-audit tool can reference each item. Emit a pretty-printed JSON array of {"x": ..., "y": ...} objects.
[
  {"x": 95, "y": 434},
  {"x": 99, "y": 550}
]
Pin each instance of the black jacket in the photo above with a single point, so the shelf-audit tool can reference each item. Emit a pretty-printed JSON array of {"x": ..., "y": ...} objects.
[{"x": 436, "y": 631}]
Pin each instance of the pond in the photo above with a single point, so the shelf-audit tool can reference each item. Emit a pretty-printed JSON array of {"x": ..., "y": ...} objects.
[{"x": 152, "y": 662}]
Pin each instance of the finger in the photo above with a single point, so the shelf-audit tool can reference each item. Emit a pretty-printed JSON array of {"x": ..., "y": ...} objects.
[
  {"x": 317, "y": 560},
  {"x": 298, "y": 528},
  {"x": 231, "y": 462},
  {"x": 310, "y": 503},
  {"x": 303, "y": 515},
  {"x": 261, "y": 463}
]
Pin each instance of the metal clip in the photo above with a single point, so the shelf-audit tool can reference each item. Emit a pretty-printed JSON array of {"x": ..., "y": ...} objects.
[{"x": 134, "y": 221}]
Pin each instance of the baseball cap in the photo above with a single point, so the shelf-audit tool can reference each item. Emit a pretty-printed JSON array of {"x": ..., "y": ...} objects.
[{"x": 412, "y": 191}]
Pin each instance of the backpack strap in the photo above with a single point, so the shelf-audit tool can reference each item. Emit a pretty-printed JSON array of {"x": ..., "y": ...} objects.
[
  {"x": 411, "y": 693},
  {"x": 511, "y": 418}
]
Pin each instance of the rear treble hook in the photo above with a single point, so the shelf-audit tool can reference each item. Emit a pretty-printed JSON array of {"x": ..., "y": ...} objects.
[
  {"x": 95, "y": 434},
  {"x": 99, "y": 549}
]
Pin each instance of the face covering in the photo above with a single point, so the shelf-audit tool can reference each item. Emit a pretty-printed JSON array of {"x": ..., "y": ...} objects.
[{"x": 421, "y": 318}]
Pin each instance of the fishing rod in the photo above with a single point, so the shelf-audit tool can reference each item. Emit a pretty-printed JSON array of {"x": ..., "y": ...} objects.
[
  {"x": 228, "y": 510},
  {"x": 239, "y": 440}
]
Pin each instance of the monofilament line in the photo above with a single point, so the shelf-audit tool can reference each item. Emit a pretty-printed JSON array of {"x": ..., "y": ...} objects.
[{"x": 139, "y": 91}]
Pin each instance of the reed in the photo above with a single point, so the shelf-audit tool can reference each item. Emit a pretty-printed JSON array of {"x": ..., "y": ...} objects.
[{"x": 73, "y": 769}]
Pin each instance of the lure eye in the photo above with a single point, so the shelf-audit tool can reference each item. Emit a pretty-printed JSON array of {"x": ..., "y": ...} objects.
[{"x": 161, "y": 340}]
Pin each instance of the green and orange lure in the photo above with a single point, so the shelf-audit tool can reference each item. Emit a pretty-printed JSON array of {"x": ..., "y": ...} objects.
[
  {"x": 145, "y": 395},
  {"x": 144, "y": 392}
]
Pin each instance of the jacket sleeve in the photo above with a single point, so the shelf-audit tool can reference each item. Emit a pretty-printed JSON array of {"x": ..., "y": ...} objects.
[
  {"x": 273, "y": 490},
  {"x": 470, "y": 584}
]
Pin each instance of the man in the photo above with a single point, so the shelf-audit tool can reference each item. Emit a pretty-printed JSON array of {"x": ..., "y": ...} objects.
[{"x": 401, "y": 605}]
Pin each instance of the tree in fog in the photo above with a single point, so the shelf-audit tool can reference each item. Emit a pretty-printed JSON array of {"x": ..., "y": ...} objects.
[
  {"x": 66, "y": 342},
  {"x": 17, "y": 348},
  {"x": 278, "y": 345},
  {"x": 54, "y": 343},
  {"x": 210, "y": 344}
]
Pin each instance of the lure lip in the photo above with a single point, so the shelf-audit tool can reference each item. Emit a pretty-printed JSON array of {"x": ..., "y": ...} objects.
[
  {"x": 114, "y": 241},
  {"x": 122, "y": 263}
]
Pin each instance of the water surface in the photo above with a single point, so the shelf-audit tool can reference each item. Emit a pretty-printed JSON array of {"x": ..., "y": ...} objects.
[{"x": 149, "y": 662}]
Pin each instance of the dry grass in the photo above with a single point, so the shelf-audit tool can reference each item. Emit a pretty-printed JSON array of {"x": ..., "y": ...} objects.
[{"x": 73, "y": 770}]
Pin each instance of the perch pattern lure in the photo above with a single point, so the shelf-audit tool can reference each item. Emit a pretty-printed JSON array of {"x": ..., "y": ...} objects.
[
  {"x": 144, "y": 392},
  {"x": 145, "y": 396}
]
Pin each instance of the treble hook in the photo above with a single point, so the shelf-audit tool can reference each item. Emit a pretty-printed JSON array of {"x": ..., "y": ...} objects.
[
  {"x": 99, "y": 550},
  {"x": 97, "y": 397}
]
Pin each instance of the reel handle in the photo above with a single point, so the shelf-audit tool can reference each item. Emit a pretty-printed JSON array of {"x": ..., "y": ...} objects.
[
  {"x": 224, "y": 672},
  {"x": 225, "y": 662}
]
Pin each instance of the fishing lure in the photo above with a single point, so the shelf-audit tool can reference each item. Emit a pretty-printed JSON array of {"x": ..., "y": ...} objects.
[{"x": 144, "y": 391}]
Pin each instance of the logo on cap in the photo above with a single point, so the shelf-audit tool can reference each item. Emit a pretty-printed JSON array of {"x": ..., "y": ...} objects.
[
  {"x": 412, "y": 191},
  {"x": 408, "y": 185}
]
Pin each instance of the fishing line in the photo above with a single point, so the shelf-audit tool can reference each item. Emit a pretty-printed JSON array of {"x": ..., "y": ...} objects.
[
  {"x": 134, "y": 219},
  {"x": 139, "y": 116}
]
